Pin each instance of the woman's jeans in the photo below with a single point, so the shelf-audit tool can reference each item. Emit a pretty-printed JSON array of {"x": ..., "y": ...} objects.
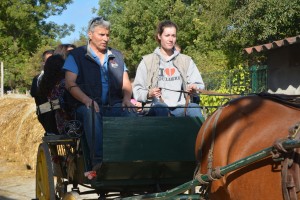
[
  {"x": 162, "y": 109},
  {"x": 192, "y": 110}
]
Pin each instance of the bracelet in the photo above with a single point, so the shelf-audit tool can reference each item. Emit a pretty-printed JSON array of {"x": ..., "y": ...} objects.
[{"x": 69, "y": 88}]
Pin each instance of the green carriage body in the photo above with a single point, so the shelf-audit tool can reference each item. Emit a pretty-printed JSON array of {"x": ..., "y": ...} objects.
[{"x": 140, "y": 155}]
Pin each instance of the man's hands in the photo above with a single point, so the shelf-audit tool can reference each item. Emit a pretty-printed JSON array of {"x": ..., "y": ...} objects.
[
  {"x": 127, "y": 104},
  {"x": 89, "y": 102}
]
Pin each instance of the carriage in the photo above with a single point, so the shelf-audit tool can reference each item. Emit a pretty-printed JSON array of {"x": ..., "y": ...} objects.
[
  {"x": 233, "y": 156},
  {"x": 140, "y": 156}
]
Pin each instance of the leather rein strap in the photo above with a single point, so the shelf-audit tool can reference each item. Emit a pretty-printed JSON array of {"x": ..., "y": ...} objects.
[
  {"x": 205, "y": 92},
  {"x": 200, "y": 91}
]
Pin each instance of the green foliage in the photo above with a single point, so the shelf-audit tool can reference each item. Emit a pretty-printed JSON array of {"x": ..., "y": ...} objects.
[
  {"x": 212, "y": 32},
  {"x": 134, "y": 24},
  {"x": 234, "y": 82},
  {"x": 23, "y": 30},
  {"x": 258, "y": 22}
]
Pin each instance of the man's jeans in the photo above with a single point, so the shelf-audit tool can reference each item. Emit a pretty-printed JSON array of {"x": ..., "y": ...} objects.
[
  {"x": 84, "y": 115},
  {"x": 118, "y": 111}
]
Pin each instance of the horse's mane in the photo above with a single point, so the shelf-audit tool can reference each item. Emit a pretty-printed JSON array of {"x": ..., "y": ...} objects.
[{"x": 289, "y": 100}]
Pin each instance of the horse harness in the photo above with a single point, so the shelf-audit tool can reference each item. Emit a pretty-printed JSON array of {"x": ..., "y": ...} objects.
[
  {"x": 290, "y": 159},
  {"x": 213, "y": 174}
]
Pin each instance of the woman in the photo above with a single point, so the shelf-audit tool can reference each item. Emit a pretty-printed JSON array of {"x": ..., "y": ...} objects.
[
  {"x": 166, "y": 77},
  {"x": 52, "y": 88},
  {"x": 49, "y": 90},
  {"x": 63, "y": 50}
]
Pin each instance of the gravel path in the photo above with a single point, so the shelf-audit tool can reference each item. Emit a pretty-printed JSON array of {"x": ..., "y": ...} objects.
[
  {"x": 16, "y": 182},
  {"x": 17, "y": 188}
]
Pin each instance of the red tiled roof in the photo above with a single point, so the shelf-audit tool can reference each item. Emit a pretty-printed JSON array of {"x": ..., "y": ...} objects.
[{"x": 273, "y": 45}]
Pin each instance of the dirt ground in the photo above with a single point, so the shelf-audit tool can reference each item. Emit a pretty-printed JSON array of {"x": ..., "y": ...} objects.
[{"x": 21, "y": 133}]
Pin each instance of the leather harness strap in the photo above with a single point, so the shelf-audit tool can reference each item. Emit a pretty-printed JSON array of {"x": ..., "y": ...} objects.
[
  {"x": 290, "y": 161},
  {"x": 213, "y": 174},
  {"x": 291, "y": 169}
]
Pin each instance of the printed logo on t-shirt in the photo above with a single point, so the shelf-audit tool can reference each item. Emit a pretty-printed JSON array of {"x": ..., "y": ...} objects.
[
  {"x": 168, "y": 74},
  {"x": 170, "y": 71}
]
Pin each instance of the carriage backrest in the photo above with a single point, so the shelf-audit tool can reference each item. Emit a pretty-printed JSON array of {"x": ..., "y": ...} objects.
[
  {"x": 147, "y": 152},
  {"x": 149, "y": 139}
]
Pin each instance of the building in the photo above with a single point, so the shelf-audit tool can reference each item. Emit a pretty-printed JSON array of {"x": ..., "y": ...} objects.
[{"x": 282, "y": 65}]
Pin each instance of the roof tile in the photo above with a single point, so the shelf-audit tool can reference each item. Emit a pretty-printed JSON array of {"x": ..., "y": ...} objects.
[{"x": 274, "y": 44}]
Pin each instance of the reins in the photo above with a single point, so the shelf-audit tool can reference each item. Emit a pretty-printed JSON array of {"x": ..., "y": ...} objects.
[
  {"x": 204, "y": 92},
  {"x": 200, "y": 91}
]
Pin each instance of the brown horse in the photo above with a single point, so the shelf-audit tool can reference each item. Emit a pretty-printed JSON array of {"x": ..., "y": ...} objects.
[{"x": 238, "y": 129}]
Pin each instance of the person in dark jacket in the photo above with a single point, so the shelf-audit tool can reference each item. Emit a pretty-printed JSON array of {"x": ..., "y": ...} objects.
[
  {"x": 47, "y": 120},
  {"x": 97, "y": 79},
  {"x": 46, "y": 106},
  {"x": 36, "y": 80}
]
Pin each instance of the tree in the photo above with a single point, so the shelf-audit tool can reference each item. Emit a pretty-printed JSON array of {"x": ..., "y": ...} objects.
[
  {"x": 257, "y": 22},
  {"x": 23, "y": 29},
  {"x": 134, "y": 24},
  {"x": 212, "y": 32}
]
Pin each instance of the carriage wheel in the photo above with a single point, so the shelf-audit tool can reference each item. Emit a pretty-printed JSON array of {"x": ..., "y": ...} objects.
[{"x": 44, "y": 174}]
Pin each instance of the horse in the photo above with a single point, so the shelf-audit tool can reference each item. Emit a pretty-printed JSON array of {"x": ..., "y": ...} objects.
[{"x": 240, "y": 128}]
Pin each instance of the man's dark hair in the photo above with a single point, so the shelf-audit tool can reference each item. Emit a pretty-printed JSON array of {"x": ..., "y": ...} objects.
[{"x": 62, "y": 50}]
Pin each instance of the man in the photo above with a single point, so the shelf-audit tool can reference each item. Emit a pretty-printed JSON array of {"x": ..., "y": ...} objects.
[{"x": 97, "y": 78}]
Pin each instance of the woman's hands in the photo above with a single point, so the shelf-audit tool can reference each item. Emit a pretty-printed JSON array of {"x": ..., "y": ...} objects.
[
  {"x": 154, "y": 92},
  {"x": 192, "y": 88}
]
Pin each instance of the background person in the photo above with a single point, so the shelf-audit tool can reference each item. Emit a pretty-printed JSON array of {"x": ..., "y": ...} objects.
[
  {"x": 64, "y": 49},
  {"x": 96, "y": 75},
  {"x": 51, "y": 90},
  {"x": 35, "y": 81},
  {"x": 177, "y": 47},
  {"x": 166, "y": 76},
  {"x": 45, "y": 109}
]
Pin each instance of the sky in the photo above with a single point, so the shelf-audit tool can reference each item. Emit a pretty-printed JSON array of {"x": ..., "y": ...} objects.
[{"x": 78, "y": 13}]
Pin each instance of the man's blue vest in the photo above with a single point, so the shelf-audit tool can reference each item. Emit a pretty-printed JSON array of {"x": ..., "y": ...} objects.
[{"x": 89, "y": 74}]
